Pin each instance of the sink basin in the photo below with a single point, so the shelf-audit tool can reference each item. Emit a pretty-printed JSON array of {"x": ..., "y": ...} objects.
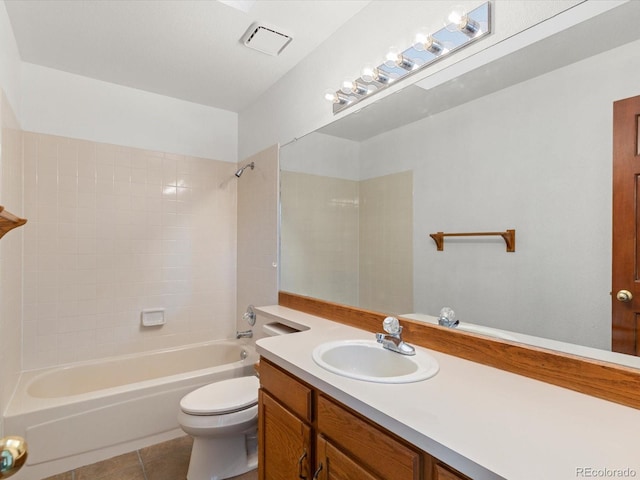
[{"x": 367, "y": 360}]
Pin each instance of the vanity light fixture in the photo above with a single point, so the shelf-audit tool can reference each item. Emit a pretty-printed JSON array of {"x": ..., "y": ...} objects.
[{"x": 461, "y": 29}]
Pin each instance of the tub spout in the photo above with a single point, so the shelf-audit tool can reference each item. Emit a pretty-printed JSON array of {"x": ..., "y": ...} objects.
[{"x": 244, "y": 334}]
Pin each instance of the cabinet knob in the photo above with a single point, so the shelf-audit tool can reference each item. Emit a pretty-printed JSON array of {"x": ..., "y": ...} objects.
[
  {"x": 317, "y": 474},
  {"x": 624, "y": 296}
]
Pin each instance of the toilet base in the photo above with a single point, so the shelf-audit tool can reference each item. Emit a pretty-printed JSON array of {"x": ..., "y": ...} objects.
[{"x": 220, "y": 458}]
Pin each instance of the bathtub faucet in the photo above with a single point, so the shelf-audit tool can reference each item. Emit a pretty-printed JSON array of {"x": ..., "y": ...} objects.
[{"x": 244, "y": 334}]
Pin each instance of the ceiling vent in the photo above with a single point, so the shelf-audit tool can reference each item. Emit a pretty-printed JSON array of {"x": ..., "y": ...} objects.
[{"x": 266, "y": 39}]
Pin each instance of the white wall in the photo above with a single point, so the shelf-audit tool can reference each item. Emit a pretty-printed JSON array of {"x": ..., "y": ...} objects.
[
  {"x": 295, "y": 105},
  {"x": 9, "y": 62},
  {"x": 64, "y": 104}
]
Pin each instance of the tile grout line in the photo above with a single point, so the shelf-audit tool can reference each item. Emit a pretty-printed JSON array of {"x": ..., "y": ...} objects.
[{"x": 144, "y": 472}]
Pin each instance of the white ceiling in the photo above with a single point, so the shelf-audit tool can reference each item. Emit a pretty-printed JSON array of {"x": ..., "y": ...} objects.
[{"x": 187, "y": 49}]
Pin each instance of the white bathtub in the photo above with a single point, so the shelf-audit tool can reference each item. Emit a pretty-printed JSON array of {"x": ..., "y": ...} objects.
[{"x": 85, "y": 412}]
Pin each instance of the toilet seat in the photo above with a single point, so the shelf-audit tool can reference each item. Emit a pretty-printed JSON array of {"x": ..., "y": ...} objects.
[{"x": 220, "y": 398}]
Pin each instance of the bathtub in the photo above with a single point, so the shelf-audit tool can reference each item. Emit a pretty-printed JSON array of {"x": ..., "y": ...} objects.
[{"x": 77, "y": 414}]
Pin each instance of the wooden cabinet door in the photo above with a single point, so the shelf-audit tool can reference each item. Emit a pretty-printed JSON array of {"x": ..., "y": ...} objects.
[
  {"x": 284, "y": 443},
  {"x": 333, "y": 464},
  {"x": 367, "y": 444}
]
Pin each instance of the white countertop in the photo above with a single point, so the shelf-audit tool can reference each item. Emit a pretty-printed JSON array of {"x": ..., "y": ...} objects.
[{"x": 485, "y": 422}]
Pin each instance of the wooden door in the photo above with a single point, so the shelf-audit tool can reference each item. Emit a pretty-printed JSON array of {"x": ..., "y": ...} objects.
[
  {"x": 333, "y": 464},
  {"x": 284, "y": 443},
  {"x": 626, "y": 227}
]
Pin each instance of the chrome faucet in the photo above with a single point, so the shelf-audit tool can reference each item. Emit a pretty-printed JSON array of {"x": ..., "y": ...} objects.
[
  {"x": 392, "y": 340},
  {"x": 244, "y": 334}
]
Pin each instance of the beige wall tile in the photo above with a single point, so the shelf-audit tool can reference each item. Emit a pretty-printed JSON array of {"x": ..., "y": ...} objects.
[
  {"x": 116, "y": 230},
  {"x": 257, "y": 233},
  {"x": 11, "y": 254}
]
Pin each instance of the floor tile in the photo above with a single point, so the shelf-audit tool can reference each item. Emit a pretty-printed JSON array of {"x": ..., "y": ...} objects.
[
  {"x": 177, "y": 447},
  {"x": 61, "y": 476},
  {"x": 164, "y": 461},
  {"x": 113, "y": 468},
  {"x": 168, "y": 468},
  {"x": 252, "y": 475}
]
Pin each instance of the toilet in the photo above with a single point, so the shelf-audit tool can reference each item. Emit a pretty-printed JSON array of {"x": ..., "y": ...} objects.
[{"x": 223, "y": 419}]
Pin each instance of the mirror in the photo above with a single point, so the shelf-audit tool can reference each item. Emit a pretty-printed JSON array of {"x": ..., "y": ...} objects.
[{"x": 521, "y": 143}]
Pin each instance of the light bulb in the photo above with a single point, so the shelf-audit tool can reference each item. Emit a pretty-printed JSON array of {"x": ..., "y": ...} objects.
[
  {"x": 458, "y": 20},
  {"x": 425, "y": 42},
  {"x": 330, "y": 96},
  {"x": 419, "y": 40},
  {"x": 455, "y": 18},
  {"x": 360, "y": 89},
  {"x": 433, "y": 46},
  {"x": 392, "y": 57},
  {"x": 368, "y": 73},
  {"x": 336, "y": 97},
  {"x": 347, "y": 86},
  {"x": 395, "y": 58}
]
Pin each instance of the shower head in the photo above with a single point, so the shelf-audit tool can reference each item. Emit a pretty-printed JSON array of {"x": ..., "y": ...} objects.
[{"x": 248, "y": 165}]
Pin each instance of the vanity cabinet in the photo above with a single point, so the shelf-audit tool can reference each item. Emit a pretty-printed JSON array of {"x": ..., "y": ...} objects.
[{"x": 304, "y": 433}]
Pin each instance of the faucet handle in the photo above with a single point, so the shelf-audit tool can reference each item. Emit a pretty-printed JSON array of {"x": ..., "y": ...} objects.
[
  {"x": 391, "y": 325},
  {"x": 448, "y": 318}
]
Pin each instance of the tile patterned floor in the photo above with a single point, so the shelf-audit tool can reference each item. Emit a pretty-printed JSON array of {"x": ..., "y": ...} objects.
[{"x": 164, "y": 461}]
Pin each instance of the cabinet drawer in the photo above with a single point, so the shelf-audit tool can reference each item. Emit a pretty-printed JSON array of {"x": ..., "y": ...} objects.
[
  {"x": 289, "y": 391},
  {"x": 370, "y": 446}
]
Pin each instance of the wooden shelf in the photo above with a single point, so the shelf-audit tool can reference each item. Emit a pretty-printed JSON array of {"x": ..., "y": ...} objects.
[
  {"x": 8, "y": 221},
  {"x": 509, "y": 238}
]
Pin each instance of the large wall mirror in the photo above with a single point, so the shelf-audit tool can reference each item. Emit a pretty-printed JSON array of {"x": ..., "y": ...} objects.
[{"x": 521, "y": 143}]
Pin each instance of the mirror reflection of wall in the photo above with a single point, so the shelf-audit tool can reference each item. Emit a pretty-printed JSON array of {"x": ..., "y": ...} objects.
[
  {"x": 347, "y": 240},
  {"x": 536, "y": 157}
]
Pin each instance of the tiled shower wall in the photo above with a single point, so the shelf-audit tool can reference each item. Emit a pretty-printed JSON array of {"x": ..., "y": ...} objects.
[
  {"x": 10, "y": 254},
  {"x": 258, "y": 235},
  {"x": 113, "y": 230},
  {"x": 349, "y": 241},
  {"x": 320, "y": 236},
  {"x": 386, "y": 243}
]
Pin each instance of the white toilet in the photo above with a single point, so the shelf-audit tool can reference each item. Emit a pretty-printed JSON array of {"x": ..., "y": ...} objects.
[{"x": 223, "y": 419}]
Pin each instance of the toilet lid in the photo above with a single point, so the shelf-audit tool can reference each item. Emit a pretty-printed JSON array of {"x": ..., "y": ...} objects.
[{"x": 222, "y": 397}]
